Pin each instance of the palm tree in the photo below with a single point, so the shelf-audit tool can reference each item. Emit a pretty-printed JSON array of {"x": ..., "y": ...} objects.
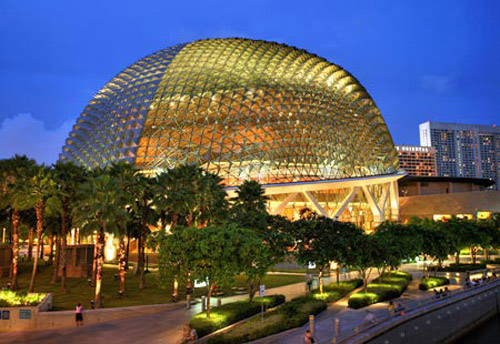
[
  {"x": 37, "y": 191},
  {"x": 125, "y": 177},
  {"x": 68, "y": 177},
  {"x": 144, "y": 194},
  {"x": 13, "y": 175},
  {"x": 99, "y": 208}
]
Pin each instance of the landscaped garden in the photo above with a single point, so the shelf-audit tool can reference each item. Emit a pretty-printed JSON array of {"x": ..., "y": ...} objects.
[
  {"x": 79, "y": 290},
  {"x": 291, "y": 314}
]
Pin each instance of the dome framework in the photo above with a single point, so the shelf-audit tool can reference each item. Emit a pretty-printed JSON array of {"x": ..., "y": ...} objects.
[{"x": 241, "y": 108}]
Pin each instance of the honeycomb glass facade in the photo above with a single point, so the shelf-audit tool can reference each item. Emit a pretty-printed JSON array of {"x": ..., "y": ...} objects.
[{"x": 244, "y": 109}]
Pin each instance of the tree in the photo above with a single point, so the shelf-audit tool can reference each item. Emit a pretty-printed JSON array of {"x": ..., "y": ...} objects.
[
  {"x": 400, "y": 242},
  {"x": 14, "y": 174},
  {"x": 99, "y": 208},
  {"x": 68, "y": 178},
  {"x": 213, "y": 254},
  {"x": 248, "y": 210},
  {"x": 321, "y": 240},
  {"x": 125, "y": 176},
  {"x": 37, "y": 191}
]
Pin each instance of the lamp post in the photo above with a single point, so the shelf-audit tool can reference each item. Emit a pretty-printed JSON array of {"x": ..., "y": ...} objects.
[{"x": 3, "y": 235}]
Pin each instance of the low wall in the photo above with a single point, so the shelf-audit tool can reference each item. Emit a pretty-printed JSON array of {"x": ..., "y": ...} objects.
[
  {"x": 23, "y": 318},
  {"x": 43, "y": 320},
  {"x": 440, "y": 322}
]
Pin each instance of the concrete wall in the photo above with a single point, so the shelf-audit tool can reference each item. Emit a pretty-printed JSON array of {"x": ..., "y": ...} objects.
[{"x": 440, "y": 322}]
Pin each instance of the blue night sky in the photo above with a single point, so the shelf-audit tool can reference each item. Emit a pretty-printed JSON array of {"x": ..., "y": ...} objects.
[{"x": 420, "y": 60}]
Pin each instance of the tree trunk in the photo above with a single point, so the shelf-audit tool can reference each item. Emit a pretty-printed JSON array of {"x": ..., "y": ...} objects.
[
  {"x": 320, "y": 278},
  {"x": 338, "y": 273},
  {"x": 457, "y": 258},
  {"x": 209, "y": 296},
  {"x": 51, "y": 248},
  {"x": 15, "y": 249},
  {"x": 39, "y": 209},
  {"x": 252, "y": 287},
  {"x": 139, "y": 256},
  {"x": 57, "y": 261},
  {"x": 127, "y": 252},
  {"x": 121, "y": 265},
  {"x": 99, "y": 264},
  {"x": 30, "y": 243},
  {"x": 473, "y": 254},
  {"x": 64, "y": 234},
  {"x": 175, "y": 289},
  {"x": 41, "y": 252},
  {"x": 142, "y": 282}
]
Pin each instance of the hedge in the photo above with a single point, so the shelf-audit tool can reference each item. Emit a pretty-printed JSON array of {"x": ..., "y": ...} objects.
[
  {"x": 432, "y": 282},
  {"x": 461, "y": 267},
  {"x": 290, "y": 315},
  {"x": 333, "y": 291},
  {"x": 230, "y": 313},
  {"x": 381, "y": 289}
]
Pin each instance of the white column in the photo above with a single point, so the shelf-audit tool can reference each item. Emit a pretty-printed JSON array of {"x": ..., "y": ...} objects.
[
  {"x": 315, "y": 203},
  {"x": 283, "y": 204},
  {"x": 345, "y": 202}
]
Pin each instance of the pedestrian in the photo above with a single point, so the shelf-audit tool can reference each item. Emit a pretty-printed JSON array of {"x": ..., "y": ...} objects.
[
  {"x": 390, "y": 308},
  {"x": 189, "y": 334},
  {"x": 309, "y": 283},
  {"x": 79, "y": 315},
  {"x": 309, "y": 339}
]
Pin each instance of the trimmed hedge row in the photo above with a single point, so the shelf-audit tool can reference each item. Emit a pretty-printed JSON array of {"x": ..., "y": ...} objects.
[
  {"x": 381, "y": 289},
  {"x": 292, "y": 314},
  {"x": 461, "y": 267},
  {"x": 332, "y": 292},
  {"x": 432, "y": 282},
  {"x": 230, "y": 313}
]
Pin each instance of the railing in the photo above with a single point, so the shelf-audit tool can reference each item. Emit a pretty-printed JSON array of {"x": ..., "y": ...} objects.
[{"x": 400, "y": 315}]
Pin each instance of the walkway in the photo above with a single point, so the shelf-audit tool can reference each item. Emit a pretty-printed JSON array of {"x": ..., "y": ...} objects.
[{"x": 349, "y": 318}]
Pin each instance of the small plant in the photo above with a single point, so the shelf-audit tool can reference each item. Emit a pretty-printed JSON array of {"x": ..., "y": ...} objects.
[{"x": 432, "y": 282}]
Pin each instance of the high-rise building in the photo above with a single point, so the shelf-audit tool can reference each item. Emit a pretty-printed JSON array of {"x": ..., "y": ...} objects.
[
  {"x": 464, "y": 150},
  {"x": 417, "y": 160}
]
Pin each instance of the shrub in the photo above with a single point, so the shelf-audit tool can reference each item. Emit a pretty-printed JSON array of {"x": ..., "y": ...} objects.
[
  {"x": 359, "y": 300},
  {"x": 230, "y": 313},
  {"x": 382, "y": 289},
  {"x": 10, "y": 298},
  {"x": 432, "y": 282},
  {"x": 333, "y": 291}
]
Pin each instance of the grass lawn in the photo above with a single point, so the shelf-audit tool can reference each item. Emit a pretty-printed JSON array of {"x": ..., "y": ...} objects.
[{"x": 80, "y": 291}]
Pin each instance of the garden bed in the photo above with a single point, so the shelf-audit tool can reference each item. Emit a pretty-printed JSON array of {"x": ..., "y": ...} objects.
[
  {"x": 432, "y": 282},
  {"x": 290, "y": 315},
  {"x": 381, "y": 289},
  {"x": 231, "y": 313}
]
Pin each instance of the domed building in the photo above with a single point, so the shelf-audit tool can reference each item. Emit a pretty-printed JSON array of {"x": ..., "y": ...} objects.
[{"x": 245, "y": 109}]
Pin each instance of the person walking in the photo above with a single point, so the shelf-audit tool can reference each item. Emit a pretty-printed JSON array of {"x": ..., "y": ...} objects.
[
  {"x": 79, "y": 315},
  {"x": 309, "y": 339}
]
